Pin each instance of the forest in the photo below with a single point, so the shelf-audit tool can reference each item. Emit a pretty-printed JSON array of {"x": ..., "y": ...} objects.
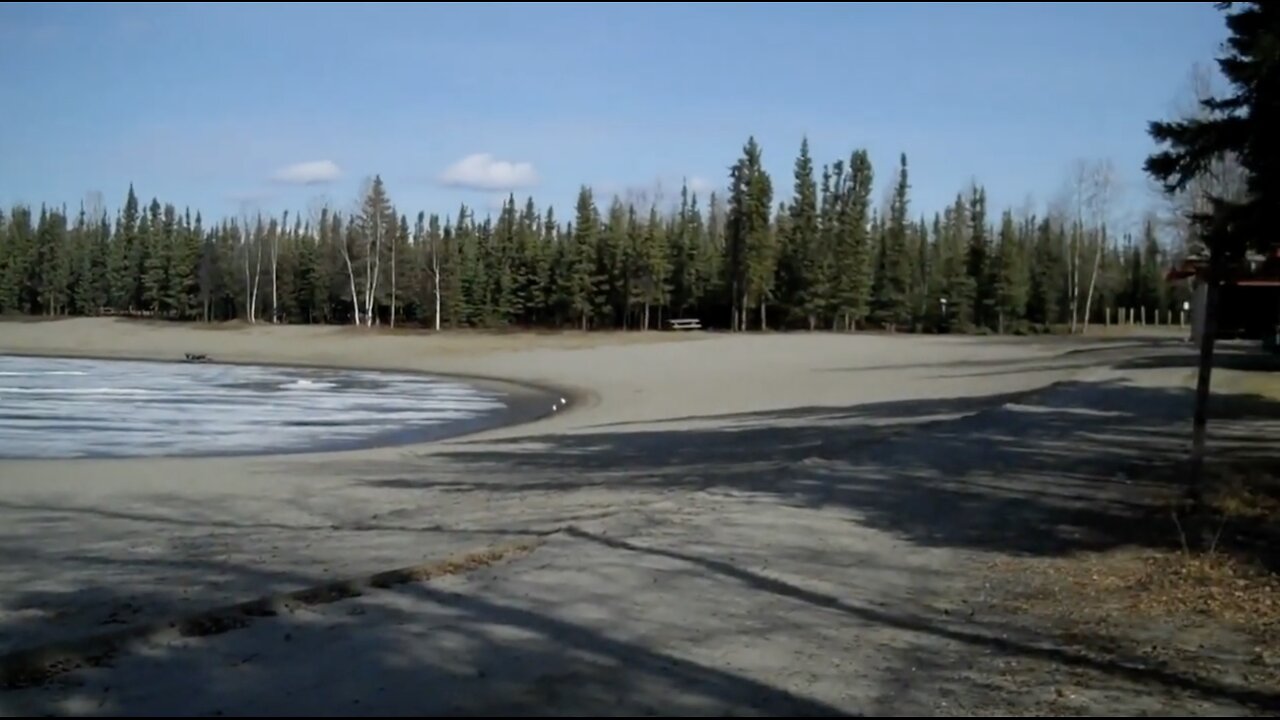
[{"x": 824, "y": 256}]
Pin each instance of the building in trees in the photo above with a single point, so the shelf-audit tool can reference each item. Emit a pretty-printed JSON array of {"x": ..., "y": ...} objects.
[{"x": 1248, "y": 302}]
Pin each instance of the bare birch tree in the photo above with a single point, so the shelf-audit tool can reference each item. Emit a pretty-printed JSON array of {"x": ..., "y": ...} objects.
[
  {"x": 434, "y": 240},
  {"x": 1224, "y": 177},
  {"x": 1079, "y": 182},
  {"x": 376, "y": 220},
  {"x": 258, "y": 232},
  {"x": 1101, "y": 188},
  {"x": 251, "y": 241},
  {"x": 275, "y": 263},
  {"x": 395, "y": 241},
  {"x": 344, "y": 244}
]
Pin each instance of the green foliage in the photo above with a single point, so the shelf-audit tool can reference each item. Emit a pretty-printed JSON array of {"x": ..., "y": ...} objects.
[
  {"x": 579, "y": 283},
  {"x": 751, "y": 252},
  {"x": 1012, "y": 279},
  {"x": 1241, "y": 125},
  {"x": 893, "y": 282},
  {"x": 822, "y": 258}
]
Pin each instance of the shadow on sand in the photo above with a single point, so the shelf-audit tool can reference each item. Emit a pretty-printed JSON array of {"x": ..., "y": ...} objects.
[{"x": 1056, "y": 473}]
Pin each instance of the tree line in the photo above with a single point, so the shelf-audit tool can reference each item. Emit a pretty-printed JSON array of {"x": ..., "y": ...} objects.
[{"x": 826, "y": 257}]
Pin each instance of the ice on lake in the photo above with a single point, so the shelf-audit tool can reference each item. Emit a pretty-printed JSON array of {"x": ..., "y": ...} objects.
[{"x": 68, "y": 408}]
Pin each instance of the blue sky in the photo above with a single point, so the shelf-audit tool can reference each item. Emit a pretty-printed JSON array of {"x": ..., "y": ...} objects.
[{"x": 277, "y": 106}]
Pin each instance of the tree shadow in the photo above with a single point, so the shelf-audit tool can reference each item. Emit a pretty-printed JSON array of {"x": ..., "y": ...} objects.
[
  {"x": 1052, "y": 473},
  {"x": 73, "y": 570},
  {"x": 1227, "y": 356},
  {"x": 476, "y": 650},
  {"x": 1063, "y": 471},
  {"x": 1068, "y": 352},
  {"x": 414, "y": 649},
  {"x": 973, "y": 634}
]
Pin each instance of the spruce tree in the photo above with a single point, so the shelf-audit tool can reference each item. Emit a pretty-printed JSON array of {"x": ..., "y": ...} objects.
[
  {"x": 855, "y": 273},
  {"x": 1153, "y": 293},
  {"x": 1012, "y": 280},
  {"x": 979, "y": 259},
  {"x": 612, "y": 278},
  {"x": 801, "y": 282},
  {"x": 749, "y": 237},
  {"x": 1048, "y": 275},
  {"x": 51, "y": 274},
  {"x": 893, "y": 301},
  {"x": 580, "y": 271},
  {"x": 657, "y": 264},
  {"x": 852, "y": 248},
  {"x": 685, "y": 281}
]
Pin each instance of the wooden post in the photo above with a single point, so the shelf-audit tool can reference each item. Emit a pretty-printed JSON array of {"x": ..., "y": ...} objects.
[{"x": 1144, "y": 315}]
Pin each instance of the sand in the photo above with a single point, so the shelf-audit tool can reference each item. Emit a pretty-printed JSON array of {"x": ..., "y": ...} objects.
[{"x": 724, "y": 524}]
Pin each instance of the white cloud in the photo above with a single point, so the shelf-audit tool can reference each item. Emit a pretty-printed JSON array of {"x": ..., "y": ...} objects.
[
  {"x": 481, "y": 171},
  {"x": 700, "y": 185},
  {"x": 315, "y": 172}
]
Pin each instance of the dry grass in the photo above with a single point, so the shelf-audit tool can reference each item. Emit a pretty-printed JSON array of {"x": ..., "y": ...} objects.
[
  {"x": 1212, "y": 615},
  {"x": 1152, "y": 585}
]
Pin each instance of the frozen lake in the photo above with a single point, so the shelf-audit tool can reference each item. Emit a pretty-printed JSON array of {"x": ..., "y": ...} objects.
[{"x": 67, "y": 408}]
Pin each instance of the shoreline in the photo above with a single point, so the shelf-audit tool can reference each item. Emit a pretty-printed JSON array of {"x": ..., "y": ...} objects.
[{"x": 527, "y": 404}]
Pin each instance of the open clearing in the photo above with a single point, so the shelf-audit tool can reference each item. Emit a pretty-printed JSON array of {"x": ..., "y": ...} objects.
[{"x": 757, "y": 524}]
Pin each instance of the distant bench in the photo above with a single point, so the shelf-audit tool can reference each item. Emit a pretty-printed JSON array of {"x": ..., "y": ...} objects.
[{"x": 685, "y": 324}]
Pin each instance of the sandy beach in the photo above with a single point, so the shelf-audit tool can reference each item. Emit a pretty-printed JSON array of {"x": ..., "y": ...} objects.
[{"x": 749, "y": 524}]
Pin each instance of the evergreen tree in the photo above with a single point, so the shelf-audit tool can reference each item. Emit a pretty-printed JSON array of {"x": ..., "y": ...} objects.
[
  {"x": 579, "y": 282},
  {"x": 1240, "y": 125},
  {"x": 612, "y": 277},
  {"x": 1152, "y": 290},
  {"x": 1045, "y": 304},
  {"x": 801, "y": 280},
  {"x": 156, "y": 258},
  {"x": 51, "y": 273},
  {"x": 958, "y": 286},
  {"x": 921, "y": 290},
  {"x": 749, "y": 238},
  {"x": 893, "y": 303},
  {"x": 851, "y": 250},
  {"x": 979, "y": 260},
  {"x": 821, "y": 257},
  {"x": 686, "y": 240},
  {"x": 1012, "y": 284},
  {"x": 656, "y": 275}
]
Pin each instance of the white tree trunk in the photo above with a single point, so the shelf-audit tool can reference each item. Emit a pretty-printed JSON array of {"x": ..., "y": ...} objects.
[
  {"x": 1101, "y": 183},
  {"x": 351, "y": 273},
  {"x": 368, "y": 282},
  {"x": 394, "y": 243},
  {"x": 1088, "y": 302},
  {"x": 435, "y": 274},
  {"x": 373, "y": 262},
  {"x": 257, "y": 276},
  {"x": 248, "y": 282},
  {"x": 1074, "y": 277},
  {"x": 275, "y": 261}
]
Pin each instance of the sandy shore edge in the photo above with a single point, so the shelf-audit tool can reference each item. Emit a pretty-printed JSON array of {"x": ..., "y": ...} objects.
[{"x": 527, "y": 402}]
